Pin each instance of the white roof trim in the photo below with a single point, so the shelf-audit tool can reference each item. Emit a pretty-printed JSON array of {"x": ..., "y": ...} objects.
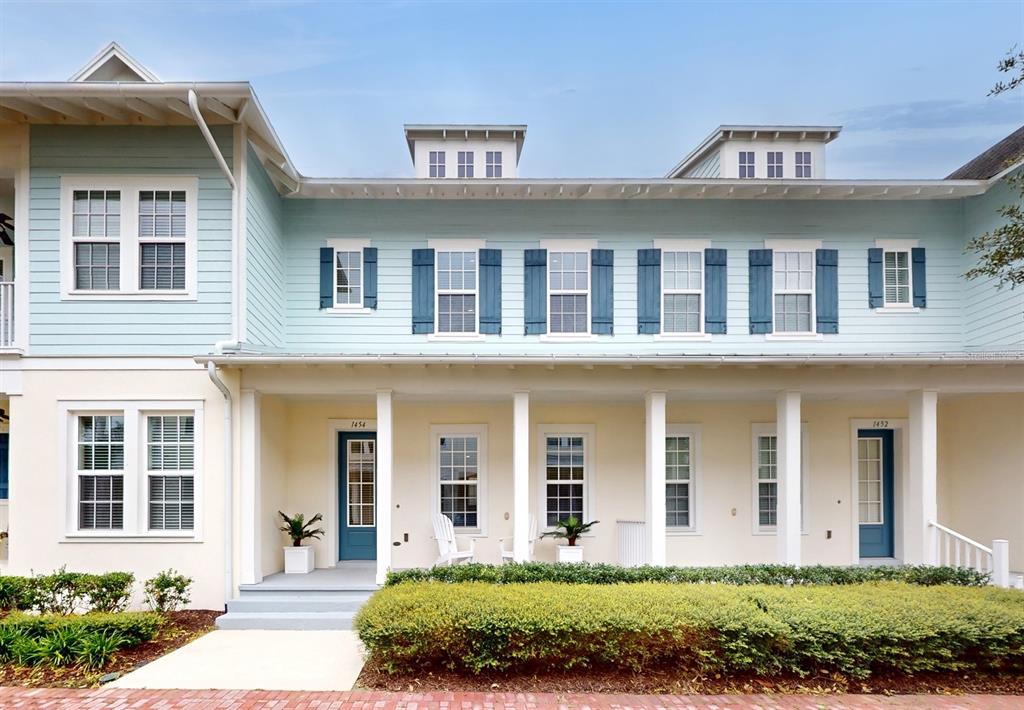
[{"x": 113, "y": 51}]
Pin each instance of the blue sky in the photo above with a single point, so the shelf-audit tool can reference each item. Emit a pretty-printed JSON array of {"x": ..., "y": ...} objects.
[{"x": 608, "y": 89}]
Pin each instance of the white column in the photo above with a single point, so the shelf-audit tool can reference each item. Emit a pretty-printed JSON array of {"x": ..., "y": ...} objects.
[
  {"x": 787, "y": 431},
  {"x": 521, "y": 476},
  {"x": 919, "y": 500},
  {"x": 251, "y": 569},
  {"x": 654, "y": 460},
  {"x": 385, "y": 454}
]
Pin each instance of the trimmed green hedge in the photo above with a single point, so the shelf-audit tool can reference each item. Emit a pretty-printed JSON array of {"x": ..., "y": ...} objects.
[
  {"x": 518, "y": 573},
  {"x": 64, "y": 592},
  {"x": 767, "y": 630}
]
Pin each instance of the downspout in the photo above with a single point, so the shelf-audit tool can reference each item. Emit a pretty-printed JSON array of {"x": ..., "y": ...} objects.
[{"x": 229, "y": 504}]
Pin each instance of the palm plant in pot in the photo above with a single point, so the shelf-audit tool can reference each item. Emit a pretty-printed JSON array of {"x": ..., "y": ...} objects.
[
  {"x": 570, "y": 529},
  {"x": 297, "y": 558}
]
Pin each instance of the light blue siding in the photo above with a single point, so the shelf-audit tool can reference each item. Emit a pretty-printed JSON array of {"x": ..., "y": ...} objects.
[
  {"x": 114, "y": 326},
  {"x": 398, "y": 227},
  {"x": 265, "y": 256},
  {"x": 993, "y": 318}
]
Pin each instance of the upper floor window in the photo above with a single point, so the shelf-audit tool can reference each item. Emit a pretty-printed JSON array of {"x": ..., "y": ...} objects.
[
  {"x": 348, "y": 278},
  {"x": 128, "y": 236},
  {"x": 456, "y": 291},
  {"x": 794, "y": 291},
  {"x": 803, "y": 163},
  {"x": 682, "y": 287},
  {"x": 569, "y": 291},
  {"x": 493, "y": 163},
  {"x": 465, "y": 163},
  {"x": 896, "y": 273},
  {"x": 746, "y": 163},
  {"x": 774, "y": 163},
  {"x": 437, "y": 163}
]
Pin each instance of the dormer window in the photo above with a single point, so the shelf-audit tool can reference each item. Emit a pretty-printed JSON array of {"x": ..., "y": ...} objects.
[
  {"x": 465, "y": 163},
  {"x": 803, "y": 163},
  {"x": 746, "y": 163},
  {"x": 437, "y": 163},
  {"x": 774, "y": 163},
  {"x": 494, "y": 163}
]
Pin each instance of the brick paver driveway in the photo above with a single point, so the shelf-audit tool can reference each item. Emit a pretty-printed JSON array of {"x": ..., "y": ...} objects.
[{"x": 63, "y": 699}]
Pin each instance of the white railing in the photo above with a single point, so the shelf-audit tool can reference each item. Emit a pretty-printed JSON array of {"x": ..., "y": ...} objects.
[
  {"x": 6, "y": 314},
  {"x": 955, "y": 550},
  {"x": 632, "y": 542}
]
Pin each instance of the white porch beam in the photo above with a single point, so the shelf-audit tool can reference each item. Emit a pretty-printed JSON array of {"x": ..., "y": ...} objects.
[
  {"x": 521, "y": 476},
  {"x": 385, "y": 458},
  {"x": 654, "y": 464},
  {"x": 788, "y": 473},
  {"x": 251, "y": 570},
  {"x": 919, "y": 490}
]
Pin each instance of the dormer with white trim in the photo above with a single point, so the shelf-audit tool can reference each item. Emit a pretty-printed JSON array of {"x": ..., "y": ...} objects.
[
  {"x": 465, "y": 152},
  {"x": 759, "y": 153}
]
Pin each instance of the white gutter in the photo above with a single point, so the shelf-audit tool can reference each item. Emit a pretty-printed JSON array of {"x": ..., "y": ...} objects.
[
  {"x": 193, "y": 104},
  {"x": 229, "y": 503}
]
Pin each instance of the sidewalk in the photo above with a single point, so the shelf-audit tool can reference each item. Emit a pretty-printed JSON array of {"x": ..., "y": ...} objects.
[{"x": 108, "y": 698}]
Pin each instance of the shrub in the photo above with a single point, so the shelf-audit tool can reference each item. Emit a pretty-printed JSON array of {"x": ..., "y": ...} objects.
[
  {"x": 109, "y": 592},
  {"x": 517, "y": 573},
  {"x": 13, "y": 593},
  {"x": 61, "y": 592},
  {"x": 98, "y": 648},
  {"x": 767, "y": 630},
  {"x": 168, "y": 591},
  {"x": 89, "y": 639},
  {"x": 135, "y": 626}
]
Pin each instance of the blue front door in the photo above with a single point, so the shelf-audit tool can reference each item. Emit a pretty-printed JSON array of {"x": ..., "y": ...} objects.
[
  {"x": 875, "y": 461},
  {"x": 357, "y": 494}
]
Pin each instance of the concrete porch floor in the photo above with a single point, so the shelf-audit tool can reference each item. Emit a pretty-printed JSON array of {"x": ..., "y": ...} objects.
[{"x": 348, "y": 575}]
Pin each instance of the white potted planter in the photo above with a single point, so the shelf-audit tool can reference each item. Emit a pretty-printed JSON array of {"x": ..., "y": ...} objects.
[
  {"x": 571, "y": 554},
  {"x": 298, "y": 560}
]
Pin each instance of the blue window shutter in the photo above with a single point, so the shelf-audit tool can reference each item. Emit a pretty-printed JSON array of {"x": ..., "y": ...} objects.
[
  {"x": 490, "y": 291},
  {"x": 826, "y": 286},
  {"x": 760, "y": 291},
  {"x": 369, "y": 277},
  {"x": 917, "y": 275},
  {"x": 535, "y": 291},
  {"x": 602, "y": 291},
  {"x": 422, "y": 291},
  {"x": 715, "y": 294},
  {"x": 876, "y": 299},
  {"x": 648, "y": 291},
  {"x": 326, "y": 277}
]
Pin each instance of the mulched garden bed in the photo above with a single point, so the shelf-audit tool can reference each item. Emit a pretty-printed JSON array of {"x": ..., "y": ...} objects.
[
  {"x": 675, "y": 681},
  {"x": 181, "y": 627}
]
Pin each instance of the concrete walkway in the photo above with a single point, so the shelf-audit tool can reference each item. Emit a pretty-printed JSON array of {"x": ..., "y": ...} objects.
[
  {"x": 104, "y": 699},
  {"x": 249, "y": 660}
]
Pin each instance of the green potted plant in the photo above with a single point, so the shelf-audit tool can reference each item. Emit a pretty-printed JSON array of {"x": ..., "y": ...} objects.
[
  {"x": 569, "y": 530},
  {"x": 297, "y": 558}
]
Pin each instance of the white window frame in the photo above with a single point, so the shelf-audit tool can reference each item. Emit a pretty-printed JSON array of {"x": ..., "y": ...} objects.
[
  {"x": 148, "y": 473},
  {"x": 806, "y": 166},
  {"x": 683, "y": 245},
  {"x": 136, "y": 492},
  {"x": 898, "y": 245},
  {"x": 770, "y": 166},
  {"x": 740, "y": 165},
  {"x": 490, "y": 164},
  {"x": 575, "y": 247},
  {"x": 465, "y": 167},
  {"x": 450, "y": 245},
  {"x": 437, "y": 166},
  {"x": 587, "y": 431},
  {"x": 770, "y": 429},
  {"x": 795, "y": 245},
  {"x": 350, "y": 245},
  {"x": 130, "y": 279},
  {"x": 693, "y": 431},
  {"x": 480, "y": 432}
]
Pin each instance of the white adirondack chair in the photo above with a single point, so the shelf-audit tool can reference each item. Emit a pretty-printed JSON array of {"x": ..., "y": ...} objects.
[
  {"x": 506, "y": 542},
  {"x": 448, "y": 543}
]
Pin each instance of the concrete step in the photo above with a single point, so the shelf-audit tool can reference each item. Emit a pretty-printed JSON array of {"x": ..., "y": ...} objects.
[
  {"x": 307, "y": 588},
  {"x": 285, "y": 603},
  {"x": 275, "y": 593},
  {"x": 288, "y": 621}
]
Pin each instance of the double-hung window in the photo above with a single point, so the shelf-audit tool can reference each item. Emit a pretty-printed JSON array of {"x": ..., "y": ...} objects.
[
  {"x": 493, "y": 163},
  {"x": 566, "y": 467},
  {"x": 896, "y": 277},
  {"x": 465, "y": 163},
  {"x": 681, "y": 470},
  {"x": 682, "y": 279},
  {"x": 436, "y": 162},
  {"x": 132, "y": 468},
  {"x": 803, "y": 163},
  {"x": 774, "y": 163},
  {"x": 766, "y": 478},
  {"x": 457, "y": 291},
  {"x": 460, "y": 459},
  {"x": 129, "y": 237},
  {"x": 348, "y": 278},
  {"x": 793, "y": 273},
  {"x": 569, "y": 291},
  {"x": 746, "y": 163}
]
